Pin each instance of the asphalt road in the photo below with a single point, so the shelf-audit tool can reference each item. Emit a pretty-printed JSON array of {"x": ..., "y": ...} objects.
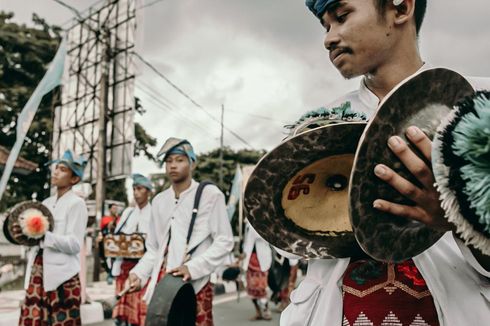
[{"x": 227, "y": 311}]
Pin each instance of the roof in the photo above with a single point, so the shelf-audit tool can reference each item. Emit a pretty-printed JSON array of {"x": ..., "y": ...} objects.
[{"x": 22, "y": 166}]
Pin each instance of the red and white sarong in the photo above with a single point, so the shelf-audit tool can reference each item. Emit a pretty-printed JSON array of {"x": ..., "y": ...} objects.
[
  {"x": 129, "y": 307},
  {"x": 256, "y": 279}
]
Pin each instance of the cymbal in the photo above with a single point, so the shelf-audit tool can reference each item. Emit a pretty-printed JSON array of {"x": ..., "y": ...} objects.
[
  {"x": 297, "y": 196},
  {"x": 423, "y": 101}
]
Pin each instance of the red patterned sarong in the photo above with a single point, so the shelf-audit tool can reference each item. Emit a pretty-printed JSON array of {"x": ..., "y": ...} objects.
[
  {"x": 60, "y": 307},
  {"x": 256, "y": 279},
  {"x": 377, "y": 293},
  {"x": 129, "y": 307},
  {"x": 204, "y": 314}
]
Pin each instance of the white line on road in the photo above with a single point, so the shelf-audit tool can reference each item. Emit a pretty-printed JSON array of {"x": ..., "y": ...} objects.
[{"x": 228, "y": 298}]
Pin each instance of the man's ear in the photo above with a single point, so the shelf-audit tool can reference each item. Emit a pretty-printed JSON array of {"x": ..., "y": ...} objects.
[
  {"x": 193, "y": 166},
  {"x": 404, "y": 12},
  {"x": 75, "y": 179}
]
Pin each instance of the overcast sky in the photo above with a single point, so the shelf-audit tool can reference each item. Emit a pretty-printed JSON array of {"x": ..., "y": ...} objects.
[{"x": 262, "y": 59}]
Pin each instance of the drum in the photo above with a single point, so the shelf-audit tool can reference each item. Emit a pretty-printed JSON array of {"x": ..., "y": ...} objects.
[
  {"x": 124, "y": 245},
  {"x": 297, "y": 195},
  {"x": 34, "y": 219},
  {"x": 423, "y": 101},
  {"x": 173, "y": 303}
]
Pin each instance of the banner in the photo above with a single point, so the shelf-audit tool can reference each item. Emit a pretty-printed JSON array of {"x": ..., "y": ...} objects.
[
  {"x": 235, "y": 193},
  {"x": 51, "y": 79}
]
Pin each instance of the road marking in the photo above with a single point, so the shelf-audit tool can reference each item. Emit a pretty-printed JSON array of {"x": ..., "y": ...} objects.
[{"x": 229, "y": 297}]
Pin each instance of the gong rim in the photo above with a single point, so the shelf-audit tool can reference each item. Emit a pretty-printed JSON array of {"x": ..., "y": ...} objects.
[
  {"x": 264, "y": 191},
  {"x": 383, "y": 236}
]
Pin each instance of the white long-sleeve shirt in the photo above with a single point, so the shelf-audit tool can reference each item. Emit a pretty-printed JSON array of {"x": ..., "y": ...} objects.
[
  {"x": 262, "y": 248},
  {"x": 212, "y": 235},
  {"x": 133, "y": 219},
  {"x": 138, "y": 220},
  {"x": 459, "y": 286},
  {"x": 61, "y": 247}
]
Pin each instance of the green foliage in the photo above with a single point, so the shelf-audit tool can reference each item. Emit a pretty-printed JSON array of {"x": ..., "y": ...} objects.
[
  {"x": 25, "y": 53},
  {"x": 143, "y": 143}
]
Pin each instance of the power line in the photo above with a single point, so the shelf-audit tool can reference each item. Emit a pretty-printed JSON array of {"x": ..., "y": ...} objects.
[
  {"x": 72, "y": 9},
  {"x": 256, "y": 116},
  {"x": 168, "y": 108},
  {"x": 149, "y": 4},
  {"x": 189, "y": 98},
  {"x": 77, "y": 13}
]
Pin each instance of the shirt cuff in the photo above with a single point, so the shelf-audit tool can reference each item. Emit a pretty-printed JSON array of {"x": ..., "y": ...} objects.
[
  {"x": 194, "y": 270},
  {"x": 48, "y": 240}
]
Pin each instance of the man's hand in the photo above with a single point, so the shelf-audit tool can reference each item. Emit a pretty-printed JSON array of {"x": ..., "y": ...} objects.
[
  {"x": 427, "y": 209},
  {"x": 17, "y": 231},
  {"x": 133, "y": 282},
  {"x": 100, "y": 237},
  {"x": 181, "y": 271}
]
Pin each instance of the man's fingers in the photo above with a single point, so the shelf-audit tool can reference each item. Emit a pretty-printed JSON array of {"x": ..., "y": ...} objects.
[
  {"x": 420, "y": 139},
  {"x": 412, "y": 162},
  {"x": 400, "y": 184},
  {"x": 410, "y": 212}
]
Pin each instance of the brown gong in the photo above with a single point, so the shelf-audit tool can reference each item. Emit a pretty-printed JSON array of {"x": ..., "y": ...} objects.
[
  {"x": 421, "y": 101},
  {"x": 297, "y": 196},
  {"x": 19, "y": 213}
]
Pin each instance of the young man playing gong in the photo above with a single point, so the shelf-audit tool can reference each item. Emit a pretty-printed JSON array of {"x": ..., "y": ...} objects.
[
  {"x": 448, "y": 283},
  {"x": 171, "y": 211},
  {"x": 130, "y": 307},
  {"x": 53, "y": 293}
]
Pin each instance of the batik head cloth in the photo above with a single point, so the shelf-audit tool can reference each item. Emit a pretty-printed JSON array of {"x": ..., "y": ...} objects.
[
  {"x": 76, "y": 164},
  {"x": 141, "y": 180},
  {"x": 177, "y": 146}
]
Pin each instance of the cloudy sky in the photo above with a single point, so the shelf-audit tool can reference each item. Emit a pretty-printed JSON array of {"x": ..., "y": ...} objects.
[{"x": 262, "y": 59}]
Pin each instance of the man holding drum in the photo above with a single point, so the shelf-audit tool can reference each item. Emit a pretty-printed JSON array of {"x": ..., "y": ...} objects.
[
  {"x": 53, "y": 293},
  {"x": 130, "y": 306},
  {"x": 446, "y": 284},
  {"x": 167, "y": 249}
]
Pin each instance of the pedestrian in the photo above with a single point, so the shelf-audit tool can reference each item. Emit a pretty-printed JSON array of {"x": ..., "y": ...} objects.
[
  {"x": 52, "y": 283},
  {"x": 257, "y": 262},
  {"x": 171, "y": 212},
  {"x": 130, "y": 307}
]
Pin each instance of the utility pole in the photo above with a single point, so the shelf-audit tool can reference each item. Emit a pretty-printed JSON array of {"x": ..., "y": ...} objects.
[
  {"x": 221, "y": 146},
  {"x": 100, "y": 188}
]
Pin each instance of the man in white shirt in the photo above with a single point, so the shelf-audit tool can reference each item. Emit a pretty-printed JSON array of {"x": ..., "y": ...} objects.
[
  {"x": 167, "y": 248},
  {"x": 448, "y": 284},
  {"x": 257, "y": 262},
  {"x": 130, "y": 307},
  {"x": 53, "y": 292}
]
